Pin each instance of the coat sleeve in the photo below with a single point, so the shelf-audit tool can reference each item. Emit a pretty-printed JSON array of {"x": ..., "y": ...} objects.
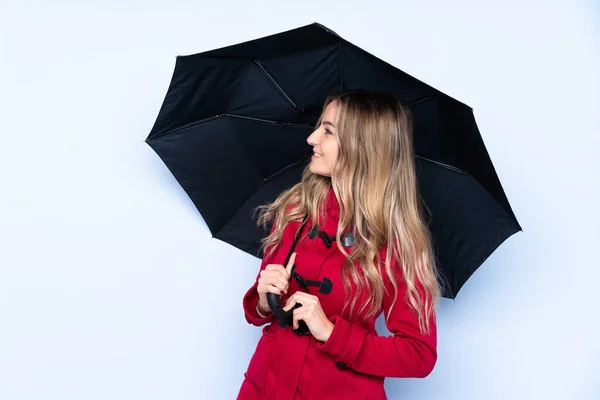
[
  {"x": 250, "y": 302},
  {"x": 405, "y": 354},
  {"x": 250, "y": 299}
]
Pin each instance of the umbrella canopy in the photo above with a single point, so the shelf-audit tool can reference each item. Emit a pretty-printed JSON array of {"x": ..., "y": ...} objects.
[{"x": 233, "y": 127}]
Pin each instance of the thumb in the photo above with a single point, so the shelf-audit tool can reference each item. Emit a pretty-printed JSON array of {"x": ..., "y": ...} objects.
[
  {"x": 287, "y": 303},
  {"x": 288, "y": 268}
]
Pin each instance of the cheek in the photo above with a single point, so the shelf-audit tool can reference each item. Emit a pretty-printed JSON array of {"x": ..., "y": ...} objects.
[
  {"x": 331, "y": 148},
  {"x": 332, "y": 153}
]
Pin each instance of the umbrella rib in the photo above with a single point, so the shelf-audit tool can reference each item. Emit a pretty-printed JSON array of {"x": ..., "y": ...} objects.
[
  {"x": 326, "y": 29},
  {"x": 266, "y": 120},
  {"x": 208, "y": 119},
  {"x": 450, "y": 167},
  {"x": 183, "y": 127},
  {"x": 264, "y": 71},
  {"x": 416, "y": 102},
  {"x": 271, "y": 177},
  {"x": 281, "y": 171}
]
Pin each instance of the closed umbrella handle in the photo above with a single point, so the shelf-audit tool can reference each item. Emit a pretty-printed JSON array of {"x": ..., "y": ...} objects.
[{"x": 283, "y": 317}]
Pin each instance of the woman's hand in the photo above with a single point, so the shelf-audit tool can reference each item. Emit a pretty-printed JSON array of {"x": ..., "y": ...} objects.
[
  {"x": 274, "y": 279},
  {"x": 311, "y": 313}
]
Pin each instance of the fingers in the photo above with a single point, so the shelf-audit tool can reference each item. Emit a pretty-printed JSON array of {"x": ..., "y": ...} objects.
[
  {"x": 265, "y": 288},
  {"x": 302, "y": 314},
  {"x": 291, "y": 302},
  {"x": 277, "y": 269},
  {"x": 300, "y": 297},
  {"x": 305, "y": 298},
  {"x": 274, "y": 277},
  {"x": 287, "y": 304},
  {"x": 288, "y": 268},
  {"x": 295, "y": 318},
  {"x": 299, "y": 314},
  {"x": 265, "y": 284},
  {"x": 276, "y": 280}
]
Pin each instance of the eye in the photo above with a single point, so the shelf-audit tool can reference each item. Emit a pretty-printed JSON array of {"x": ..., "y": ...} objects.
[{"x": 327, "y": 131}]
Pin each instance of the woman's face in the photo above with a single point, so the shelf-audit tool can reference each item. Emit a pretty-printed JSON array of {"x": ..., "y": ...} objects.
[{"x": 324, "y": 142}]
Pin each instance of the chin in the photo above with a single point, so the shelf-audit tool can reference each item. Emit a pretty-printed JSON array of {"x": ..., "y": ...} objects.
[{"x": 318, "y": 171}]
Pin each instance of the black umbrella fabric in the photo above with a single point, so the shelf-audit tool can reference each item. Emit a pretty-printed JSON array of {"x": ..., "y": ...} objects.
[{"x": 233, "y": 127}]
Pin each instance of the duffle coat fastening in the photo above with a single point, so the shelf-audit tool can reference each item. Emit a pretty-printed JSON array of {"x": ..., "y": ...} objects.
[{"x": 354, "y": 361}]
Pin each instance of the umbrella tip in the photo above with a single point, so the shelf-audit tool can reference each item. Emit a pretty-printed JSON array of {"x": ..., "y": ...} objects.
[{"x": 325, "y": 28}]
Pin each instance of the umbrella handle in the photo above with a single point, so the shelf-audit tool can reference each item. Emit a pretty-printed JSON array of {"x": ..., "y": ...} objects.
[{"x": 283, "y": 317}]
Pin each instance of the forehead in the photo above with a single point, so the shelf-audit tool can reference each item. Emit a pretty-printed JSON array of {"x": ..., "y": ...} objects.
[{"x": 330, "y": 112}]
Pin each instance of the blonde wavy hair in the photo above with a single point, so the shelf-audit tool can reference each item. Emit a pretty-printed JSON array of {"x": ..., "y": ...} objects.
[{"x": 374, "y": 180}]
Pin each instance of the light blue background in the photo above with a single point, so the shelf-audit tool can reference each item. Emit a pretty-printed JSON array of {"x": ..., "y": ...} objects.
[{"x": 108, "y": 274}]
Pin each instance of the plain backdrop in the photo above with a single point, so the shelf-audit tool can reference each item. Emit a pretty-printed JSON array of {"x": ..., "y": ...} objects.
[{"x": 109, "y": 275}]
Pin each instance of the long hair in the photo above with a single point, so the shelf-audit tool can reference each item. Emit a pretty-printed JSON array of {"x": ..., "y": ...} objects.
[{"x": 374, "y": 180}]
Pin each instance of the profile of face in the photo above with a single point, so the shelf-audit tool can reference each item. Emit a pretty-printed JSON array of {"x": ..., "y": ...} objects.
[{"x": 324, "y": 142}]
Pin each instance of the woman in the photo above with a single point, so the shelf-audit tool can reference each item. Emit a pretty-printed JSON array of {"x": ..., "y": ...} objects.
[{"x": 365, "y": 248}]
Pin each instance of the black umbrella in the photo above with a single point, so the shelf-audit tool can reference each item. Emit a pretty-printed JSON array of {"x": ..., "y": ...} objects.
[{"x": 233, "y": 127}]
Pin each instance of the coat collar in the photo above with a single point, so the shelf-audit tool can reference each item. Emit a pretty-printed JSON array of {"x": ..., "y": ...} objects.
[{"x": 331, "y": 206}]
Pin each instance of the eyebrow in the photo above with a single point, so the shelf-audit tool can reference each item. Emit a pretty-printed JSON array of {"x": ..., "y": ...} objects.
[{"x": 327, "y": 123}]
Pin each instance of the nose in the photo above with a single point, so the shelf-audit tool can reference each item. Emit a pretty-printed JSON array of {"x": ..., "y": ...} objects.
[{"x": 312, "y": 138}]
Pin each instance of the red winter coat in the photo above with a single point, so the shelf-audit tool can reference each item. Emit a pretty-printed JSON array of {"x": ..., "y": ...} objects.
[{"x": 353, "y": 362}]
